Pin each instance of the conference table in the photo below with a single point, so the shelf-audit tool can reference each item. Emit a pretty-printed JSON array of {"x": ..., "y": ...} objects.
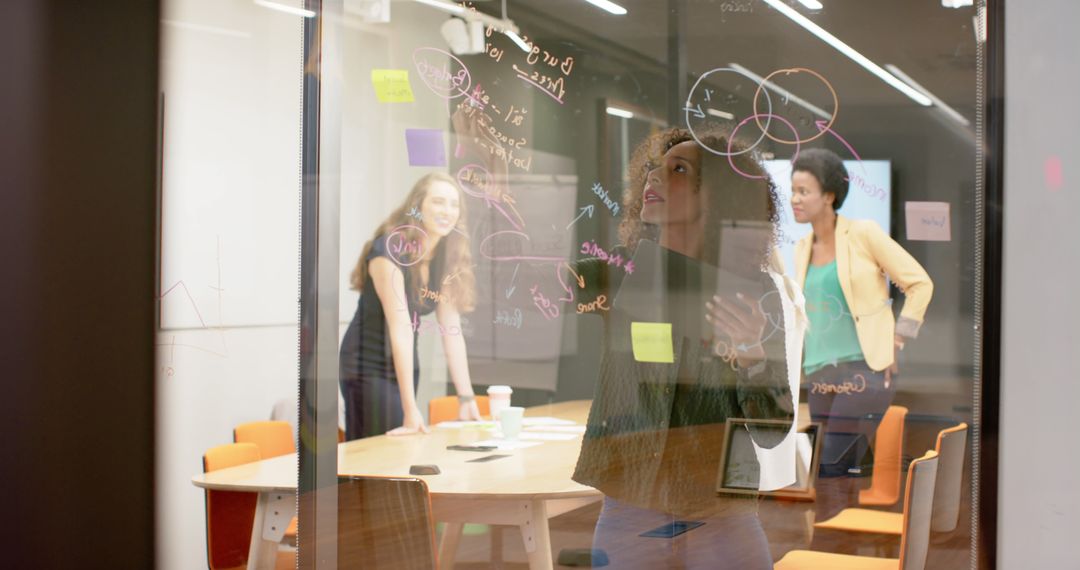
[{"x": 524, "y": 489}]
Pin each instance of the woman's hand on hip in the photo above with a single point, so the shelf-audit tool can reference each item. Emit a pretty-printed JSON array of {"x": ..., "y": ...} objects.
[{"x": 414, "y": 423}]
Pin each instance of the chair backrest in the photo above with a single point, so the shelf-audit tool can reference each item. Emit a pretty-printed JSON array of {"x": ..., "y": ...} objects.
[
  {"x": 229, "y": 514},
  {"x": 273, "y": 438},
  {"x": 445, "y": 409},
  {"x": 385, "y": 522},
  {"x": 951, "y": 444},
  {"x": 888, "y": 455},
  {"x": 918, "y": 508}
]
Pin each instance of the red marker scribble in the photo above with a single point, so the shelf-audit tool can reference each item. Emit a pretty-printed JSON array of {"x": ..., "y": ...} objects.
[{"x": 1052, "y": 171}]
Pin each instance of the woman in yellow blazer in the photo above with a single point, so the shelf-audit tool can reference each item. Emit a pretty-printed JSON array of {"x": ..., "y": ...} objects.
[{"x": 843, "y": 266}]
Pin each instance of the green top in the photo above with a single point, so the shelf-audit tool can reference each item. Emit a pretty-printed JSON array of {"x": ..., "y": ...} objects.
[{"x": 831, "y": 338}]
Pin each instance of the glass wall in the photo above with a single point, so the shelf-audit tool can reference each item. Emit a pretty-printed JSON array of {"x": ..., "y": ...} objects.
[{"x": 658, "y": 283}]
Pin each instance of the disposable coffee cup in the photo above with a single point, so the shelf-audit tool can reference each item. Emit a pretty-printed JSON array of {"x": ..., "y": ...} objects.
[
  {"x": 510, "y": 422},
  {"x": 499, "y": 399}
]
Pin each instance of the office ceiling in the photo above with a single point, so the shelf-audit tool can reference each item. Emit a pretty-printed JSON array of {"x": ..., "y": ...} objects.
[{"x": 934, "y": 45}]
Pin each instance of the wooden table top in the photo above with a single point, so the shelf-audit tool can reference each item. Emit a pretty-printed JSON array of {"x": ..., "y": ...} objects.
[{"x": 538, "y": 472}]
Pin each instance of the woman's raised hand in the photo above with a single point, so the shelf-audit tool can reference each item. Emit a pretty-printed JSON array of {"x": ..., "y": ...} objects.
[
  {"x": 744, "y": 325},
  {"x": 414, "y": 423}
]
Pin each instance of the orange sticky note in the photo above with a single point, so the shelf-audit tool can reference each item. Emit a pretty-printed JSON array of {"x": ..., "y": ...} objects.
[
  {"x": 392, "y": 85},
  {"x": 652, "y": 342}
]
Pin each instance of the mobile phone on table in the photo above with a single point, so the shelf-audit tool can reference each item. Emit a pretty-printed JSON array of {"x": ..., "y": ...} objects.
[
  {"x": 486, "y": 458},
  {"x": 672, "y": 529},
  {"x": 471, "y": 447}
]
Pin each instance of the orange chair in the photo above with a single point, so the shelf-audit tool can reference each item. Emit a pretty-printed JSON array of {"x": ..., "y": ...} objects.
[
  {"x": 884, "y": 488},
  {"x": 274, "y": 438},
  {"x": 231, "y": 514},
  {"x": 950, "y": 448},
  {"x": 445, "y": 409},
  {"x": 914, "y": 539}
]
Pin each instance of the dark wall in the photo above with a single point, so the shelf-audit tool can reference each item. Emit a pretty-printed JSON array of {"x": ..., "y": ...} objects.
[{"x": 77, "y": 176}]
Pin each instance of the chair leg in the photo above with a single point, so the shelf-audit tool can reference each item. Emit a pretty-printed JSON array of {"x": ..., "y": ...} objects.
[{"x": 449, "y": 545}]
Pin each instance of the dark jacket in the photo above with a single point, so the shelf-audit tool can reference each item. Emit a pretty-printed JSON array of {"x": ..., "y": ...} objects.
[{"x": 656, "y": 430}]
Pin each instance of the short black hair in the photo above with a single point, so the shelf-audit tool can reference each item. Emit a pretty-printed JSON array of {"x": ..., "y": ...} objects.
[{"x": 829, "y": 170}]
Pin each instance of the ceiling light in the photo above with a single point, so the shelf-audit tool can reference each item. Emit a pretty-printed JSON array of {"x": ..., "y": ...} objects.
[
  {"x": 815, "y": 5},
  {"x": 941, "y": 104},
  {"x": 957, "y": 3},
  {"x": 784, "y": 92},
  {"x": 447, "y": 6},
  {"x": 609, "y": 6},
  {"x": 620, "y": 112},
  {"x": 720, "y": 114},
  {"x": 285, "y": 8},
  {"x": 850, "y": 52}
]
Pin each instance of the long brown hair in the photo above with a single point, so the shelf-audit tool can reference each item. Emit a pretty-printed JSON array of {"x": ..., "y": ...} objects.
[
  {"x": 733, "y": 197},
  {"x": 454, "y": 247}
]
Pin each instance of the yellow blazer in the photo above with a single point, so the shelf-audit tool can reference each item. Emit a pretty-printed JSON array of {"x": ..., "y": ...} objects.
[{"x": 865, "y": 256}]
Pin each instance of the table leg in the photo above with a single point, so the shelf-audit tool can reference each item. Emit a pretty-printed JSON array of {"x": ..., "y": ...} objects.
[
  {"x": 449, "y": 544},
  {"x": 273, "y": 511},
  {"x": 537, "y": 536},
  {"x": 262, "y": 553}
]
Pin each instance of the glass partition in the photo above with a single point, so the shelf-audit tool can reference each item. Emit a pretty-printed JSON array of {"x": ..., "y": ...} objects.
[
  {"x": 646, "y": 284},
  {"x": 543, "y": 198}
]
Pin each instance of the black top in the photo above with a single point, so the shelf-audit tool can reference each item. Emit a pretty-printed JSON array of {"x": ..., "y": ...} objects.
[
  {"x": 655, "y": 431},
  {"x": 365, "y": 350}
]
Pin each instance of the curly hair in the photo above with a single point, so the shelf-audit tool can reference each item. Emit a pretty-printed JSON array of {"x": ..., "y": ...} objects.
[
  {"x": 828, "y": 168},
  {"x": 734, "y": 199}
]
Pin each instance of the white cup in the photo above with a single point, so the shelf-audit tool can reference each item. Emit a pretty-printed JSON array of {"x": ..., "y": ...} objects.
[
  {"x": 510, "y": 422},
  {"x": 499, "y": 399}
]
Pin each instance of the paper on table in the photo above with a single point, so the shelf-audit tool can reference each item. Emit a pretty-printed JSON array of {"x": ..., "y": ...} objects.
[
  {"x": 505, "y": 445},
  {"x": 425, "y": 147},
  {"x": 545, "y": 421},
  {"x": 547, "y": 436},
  {"x": 392, "y": 85},
  {"x": 558, "y": 429},
  {"x": 472, "y": 424},
  {"x": 928, "y": 221}
]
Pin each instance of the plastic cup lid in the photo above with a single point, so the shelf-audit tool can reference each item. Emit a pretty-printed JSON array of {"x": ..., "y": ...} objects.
[{"x": 500, "y": 390}]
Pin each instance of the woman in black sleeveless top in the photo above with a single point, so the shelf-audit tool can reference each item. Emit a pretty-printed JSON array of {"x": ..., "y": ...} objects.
[{"x": 417, "y": 262}]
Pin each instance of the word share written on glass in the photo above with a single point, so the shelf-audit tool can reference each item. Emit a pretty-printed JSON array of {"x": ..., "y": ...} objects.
[{"x": 392, "y": 85}]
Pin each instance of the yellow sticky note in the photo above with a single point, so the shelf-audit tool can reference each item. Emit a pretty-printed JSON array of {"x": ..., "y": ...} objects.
[
  {"x": 652, "y": 342},
  {"x": 392, "y": 85}
]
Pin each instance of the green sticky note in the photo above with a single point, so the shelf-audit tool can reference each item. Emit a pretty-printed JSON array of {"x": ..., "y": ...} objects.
[
  {"x": 392, "y": 85},
  {"x": 652, "y": 342}
]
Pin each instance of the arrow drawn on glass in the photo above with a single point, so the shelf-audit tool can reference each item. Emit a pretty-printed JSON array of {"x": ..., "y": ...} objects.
[{"x": 584, "y": 210}]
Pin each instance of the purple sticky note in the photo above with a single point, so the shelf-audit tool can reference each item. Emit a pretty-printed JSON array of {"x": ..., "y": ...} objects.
[
  {"x": 928, "y": 221},
  {"x": 426, "y": 147}
]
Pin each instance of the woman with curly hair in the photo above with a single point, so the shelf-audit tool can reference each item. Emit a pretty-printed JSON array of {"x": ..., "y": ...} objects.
[
  {"x": 400, "y": 278},
  {"x": 656, "y": 427}
]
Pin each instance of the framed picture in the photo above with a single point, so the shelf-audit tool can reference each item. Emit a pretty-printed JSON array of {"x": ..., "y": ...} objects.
[{"x": 739, "y": 470}]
